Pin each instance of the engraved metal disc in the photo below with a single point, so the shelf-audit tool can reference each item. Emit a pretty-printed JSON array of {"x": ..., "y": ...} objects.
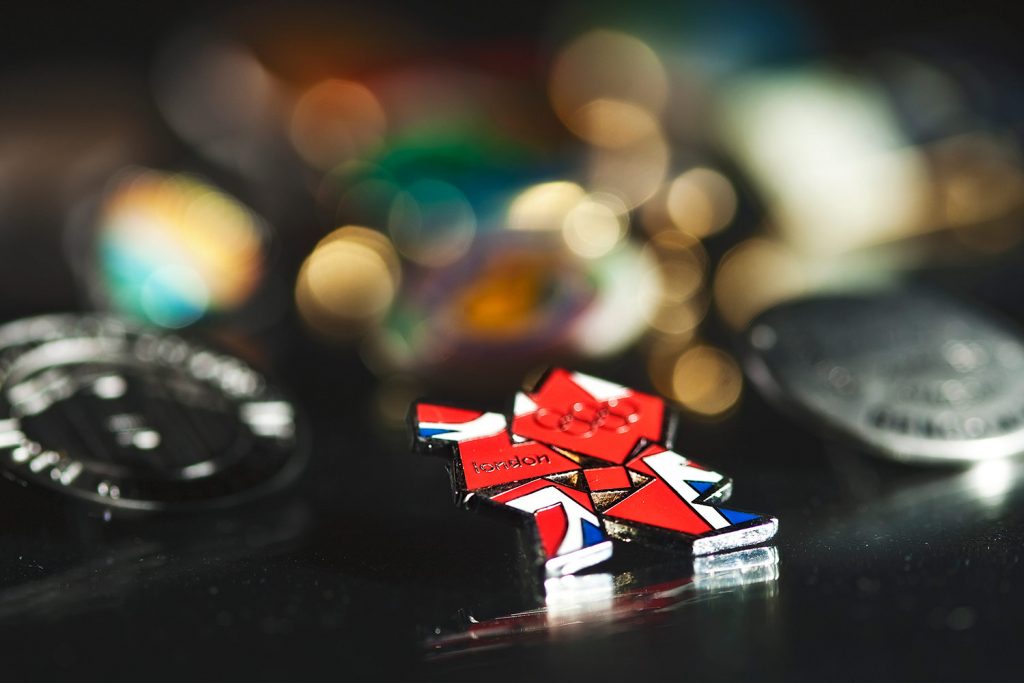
[
  {"x": 913, "y": 375},
  {"x": 126, "y": 416}
]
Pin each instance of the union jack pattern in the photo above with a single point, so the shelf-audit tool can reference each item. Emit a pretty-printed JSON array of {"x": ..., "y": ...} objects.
[{"x": 588, "y": 461}]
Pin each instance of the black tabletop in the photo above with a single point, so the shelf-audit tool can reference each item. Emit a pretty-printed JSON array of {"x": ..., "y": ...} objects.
[{"x": 364, "y": 569}]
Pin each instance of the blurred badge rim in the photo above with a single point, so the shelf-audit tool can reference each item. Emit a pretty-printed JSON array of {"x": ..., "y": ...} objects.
[
  {"x": 765, "y": 370},
  {"x": 272, "y": 460}
]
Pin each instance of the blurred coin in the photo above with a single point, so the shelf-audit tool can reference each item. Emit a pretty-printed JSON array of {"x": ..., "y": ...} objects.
[
  {"x": 128, "y": 417},
  {"x": 913, "y": 375}
]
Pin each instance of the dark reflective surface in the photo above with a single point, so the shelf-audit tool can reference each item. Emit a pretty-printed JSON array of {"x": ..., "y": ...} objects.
[
  {"x": 884, "y": 571},
  {"x": 606, "y": 603}
]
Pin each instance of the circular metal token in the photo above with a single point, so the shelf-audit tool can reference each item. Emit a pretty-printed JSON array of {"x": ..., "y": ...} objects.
[
  {"x": 100, "y": 409},
  {"x": 910, "y": 374}
]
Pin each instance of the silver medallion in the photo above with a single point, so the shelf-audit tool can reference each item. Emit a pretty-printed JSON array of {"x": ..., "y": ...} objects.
[
  {"x": 122, "y": 415},
  {"x": 912, "y": 374}
]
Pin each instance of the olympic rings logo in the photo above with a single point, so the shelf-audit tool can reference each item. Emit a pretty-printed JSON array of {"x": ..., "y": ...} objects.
[{"x": 584, "y": 419}]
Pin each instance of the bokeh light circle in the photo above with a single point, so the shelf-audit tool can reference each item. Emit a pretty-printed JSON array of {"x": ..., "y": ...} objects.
[
  {"x": 348, "y": 282},
  {"x": 173, "y": 248}
]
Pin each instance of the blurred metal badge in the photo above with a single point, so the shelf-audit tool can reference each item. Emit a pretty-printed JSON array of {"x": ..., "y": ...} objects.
[
  {"x": 912, "y": 374},
  {"x": 102, "y": 410}
]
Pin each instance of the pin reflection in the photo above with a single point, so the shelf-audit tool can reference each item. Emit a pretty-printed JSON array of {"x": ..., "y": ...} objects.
[{"x": 575, "y": 605}]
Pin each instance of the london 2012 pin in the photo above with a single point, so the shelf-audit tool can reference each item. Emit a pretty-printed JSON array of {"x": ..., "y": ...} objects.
[{"x": 587, "y": 463}]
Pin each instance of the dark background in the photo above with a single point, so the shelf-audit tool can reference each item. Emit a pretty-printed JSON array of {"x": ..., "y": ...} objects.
[
  {"x": 886, "y": 572},
  {"x": 38, "y": 33}
]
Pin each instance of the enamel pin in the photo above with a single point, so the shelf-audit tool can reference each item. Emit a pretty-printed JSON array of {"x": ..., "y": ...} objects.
[{"x": 586, "y": 461}]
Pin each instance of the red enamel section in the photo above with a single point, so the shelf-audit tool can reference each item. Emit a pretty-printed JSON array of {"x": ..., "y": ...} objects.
[
  {"x": 653, "y": 449},
  {"x": 552, "y": 523},
  {"x": 426, "y": 412},
  {"x": 656, "y": 504},
  {"x": 607, "y": 478},
  {"x": 568, "y": 417},
  {"x": 496, "y": 460},
  {"x": 637, "y": 464}
]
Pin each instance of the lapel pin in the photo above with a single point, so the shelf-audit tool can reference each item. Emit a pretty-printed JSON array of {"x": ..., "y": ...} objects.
[{"x": 586, "y": 462}]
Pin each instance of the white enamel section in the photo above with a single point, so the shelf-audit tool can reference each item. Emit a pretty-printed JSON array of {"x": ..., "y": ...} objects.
[
  {"x": 524, "y": 405},
  {"x": 487, "y": 424},
  {"x": 600, "y": 389},
  {"x": 676, "y": 470},
  {"x": 579, "y": 560},
  {"x": 550, "y": 496}
]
